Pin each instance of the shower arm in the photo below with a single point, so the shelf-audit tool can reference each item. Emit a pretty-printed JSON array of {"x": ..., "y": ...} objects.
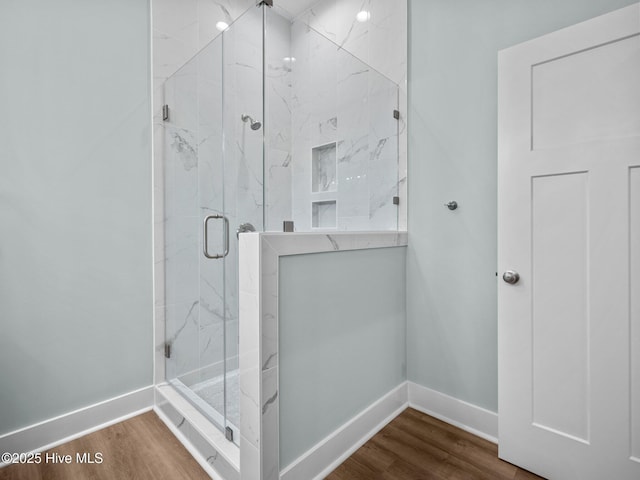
[{"x": 254, "y": 124}]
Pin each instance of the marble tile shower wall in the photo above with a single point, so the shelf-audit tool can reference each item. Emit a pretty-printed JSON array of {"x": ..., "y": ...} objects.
[
  {"x": 182, "y": 27},
  {"x": 381, "y": 42},
  {"x": 278, "y": 139},
  {"x": 309, "y": 86},
  {"x": 342, "y": 117}
]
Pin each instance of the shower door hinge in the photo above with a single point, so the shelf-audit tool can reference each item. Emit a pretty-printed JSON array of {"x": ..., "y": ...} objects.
[
  {"x": 228, "y": 433},
  {"x": 165, "y": 112},
  {"x": 396, "y": 200},
  {"x": 268, "y": 3},
  {"x": 167, "y": 350},
  {"x": 396, "y": 114}
]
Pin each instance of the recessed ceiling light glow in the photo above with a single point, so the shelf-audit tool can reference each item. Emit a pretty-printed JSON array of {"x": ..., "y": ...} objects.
[
  {"x": 363, "y": 16},
  {"x": 289, "y": 59},
  {"x": 222, "y": 26}
]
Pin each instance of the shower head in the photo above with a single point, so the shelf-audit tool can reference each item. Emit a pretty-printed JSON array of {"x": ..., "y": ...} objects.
[{"x": 254, "y": 125}]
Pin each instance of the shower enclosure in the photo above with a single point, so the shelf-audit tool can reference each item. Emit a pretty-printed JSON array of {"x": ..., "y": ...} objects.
[{"x": 270, "y": 122}]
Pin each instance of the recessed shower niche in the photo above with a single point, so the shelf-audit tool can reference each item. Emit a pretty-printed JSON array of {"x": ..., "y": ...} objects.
[
  {"x": 323, "y": 181},
  {"x": 324, "y": 214},
  {"x": 323, "y": 168}
]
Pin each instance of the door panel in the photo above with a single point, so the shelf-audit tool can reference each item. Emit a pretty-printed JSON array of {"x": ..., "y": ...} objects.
[
  {"x": 634, "y": 295},
  {"x": 559, "y": 250},
  {"x": 568, "y": 207},
  {"x": 589, "y": 95}
]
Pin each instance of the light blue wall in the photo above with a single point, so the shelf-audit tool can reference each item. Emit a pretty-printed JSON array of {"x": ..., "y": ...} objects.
[
  {"x": 451, "y": 259},
  {"x": 75, "y": 205},
  {"x": 342, "y": 332}
]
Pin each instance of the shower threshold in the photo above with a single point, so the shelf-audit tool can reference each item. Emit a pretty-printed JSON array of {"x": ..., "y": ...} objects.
[
  {"x": 178, "y": 407},
  {"x": 208, "y": 397}
]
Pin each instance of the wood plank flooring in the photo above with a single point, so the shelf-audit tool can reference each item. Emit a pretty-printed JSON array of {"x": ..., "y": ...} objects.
[
  {"x": 140, "y": 448},
  {"x": 415, "y": 446}
]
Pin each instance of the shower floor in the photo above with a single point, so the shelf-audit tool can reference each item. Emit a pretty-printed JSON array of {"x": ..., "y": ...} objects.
[
  {"x": 208, "y": 397},
  {"x": 212, "y": 392}
]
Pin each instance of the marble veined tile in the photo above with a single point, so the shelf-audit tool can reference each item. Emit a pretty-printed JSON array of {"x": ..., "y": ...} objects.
[
  {"x": 210, "y": 86},
  {"x": 383, "y": 181},
  {"x": 353, "y": 192},
  {"x": 181, "y": 173},
  {"x": 169, "y": 54},
  {"x": 250, "y": 459},
  {"x": 182, "y": 334},
  {"x": 371, "y": 50},
  {"x": 301, "y": 243},
  {"x": 210, "y": 12},
  {"x": 334, "y": 84},
  {"x": 177, "y": 19},
  {"x": 211, "y": 344},
  {"x": 211, "y": 310},
  {"x": 327, "y": 129},
  {"x": 269, "y": 306},
  {"x": 388, "y": 38},
  {"x": 301, "y": 198},
  {"x": 279, "y": 62},
  {"x": 323, "y": 214},
  {"x": 338, "y": 21},
  {"x": 250, "y": 372},
  {"x": 270, "y": 425},
  {"x": 278, "y": 193},
  {"x": 181, "y": 259},
  {"x": 323, "y": 177}
]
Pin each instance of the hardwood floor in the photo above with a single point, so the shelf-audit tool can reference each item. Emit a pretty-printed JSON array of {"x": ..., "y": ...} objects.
[
  {"x": 415, "y": 446},
  {"x": 139, "y": 448}
]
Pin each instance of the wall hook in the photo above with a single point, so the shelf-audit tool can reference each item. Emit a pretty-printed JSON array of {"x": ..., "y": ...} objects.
[{"x": 451, "y": 205}]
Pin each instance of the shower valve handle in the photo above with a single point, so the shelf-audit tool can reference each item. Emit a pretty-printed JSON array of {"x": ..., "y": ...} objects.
[{"x": 245, "y": 227}]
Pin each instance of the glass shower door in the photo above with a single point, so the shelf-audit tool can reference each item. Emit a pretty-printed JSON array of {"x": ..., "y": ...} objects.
[
  {"x": 196, "y": 232},
  {"x": 213, "y": 188}
]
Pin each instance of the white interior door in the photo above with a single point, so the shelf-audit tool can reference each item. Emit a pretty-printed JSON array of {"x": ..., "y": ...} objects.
[{"x": 569, "y": 224}]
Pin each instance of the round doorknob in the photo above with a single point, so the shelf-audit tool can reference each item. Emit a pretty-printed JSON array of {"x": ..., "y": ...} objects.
[{"x": 511, "y": 277}]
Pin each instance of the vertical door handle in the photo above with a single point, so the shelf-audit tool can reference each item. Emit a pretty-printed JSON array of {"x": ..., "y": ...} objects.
[{"x": 205, "y": 246}]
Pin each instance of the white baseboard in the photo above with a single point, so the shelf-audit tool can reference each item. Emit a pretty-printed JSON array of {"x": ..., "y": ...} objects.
[
  {"x": 55, "y": 431},
  {"x": 339, "y": 445},
  {"x": 469, "y": 417}
]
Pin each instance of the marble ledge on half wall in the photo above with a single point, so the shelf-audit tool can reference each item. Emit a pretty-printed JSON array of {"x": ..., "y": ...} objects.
[{"x": 293, "y": 243}]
